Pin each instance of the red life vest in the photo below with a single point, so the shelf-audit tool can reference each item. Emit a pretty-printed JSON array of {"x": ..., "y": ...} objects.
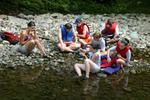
[
  {"x": 80, "y": 31},
  {"x": 124, "y": 51},
  {"x": 112, "y": 30}
]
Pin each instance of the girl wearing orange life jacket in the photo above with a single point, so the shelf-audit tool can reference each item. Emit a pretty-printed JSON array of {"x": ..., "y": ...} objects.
[
  {"x": 83, "y": 31},
  {"x": 123, "y": 52}
]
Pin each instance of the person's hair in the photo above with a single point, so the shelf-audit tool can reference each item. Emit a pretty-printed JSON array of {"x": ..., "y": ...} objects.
[
  {"x": 125, "y": 41},
  {"x": 68, "y": 26},
  {"x": 95, "y": 46},
  {"x": 31, "y": 23},
  {"x": 110, "y": 21},
  {"x": 97, "y": 35}
]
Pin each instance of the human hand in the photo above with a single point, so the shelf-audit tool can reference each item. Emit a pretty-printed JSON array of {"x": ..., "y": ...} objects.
[
  {"x": 35, "y": 30},
  {"x": 108, "y": 60},
  {"x": 83, "y": 54},
  {"x": 108, "y": 26},
  {"x": 118, "y": 55},
  {"x": 62, "y": 46}
]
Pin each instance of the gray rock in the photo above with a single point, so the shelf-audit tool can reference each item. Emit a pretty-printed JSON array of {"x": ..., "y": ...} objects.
[
  {"x": 23, "y": 26},
  {"x": 3, "y": 16},
  {"x": 30, "y": 17},
  {"x": 28, "y": 63},
  {"x": 47, "y": 68},
  {"x": 5, "y": 42},
  {"x": 21, "y": 15},
  {"x": 1, "y": 47},
  {"x": 22, "y": 58},
  {"x": 102, "y": 75},
  {"x": 55, "y": 15},
  {"x": 86, "y": 16},
  {"x": 98, "y": 17},
  {"x": 134, "y": 36},
  {"x": 132, "y": 71},
  {"x": 144, "y": 29}
]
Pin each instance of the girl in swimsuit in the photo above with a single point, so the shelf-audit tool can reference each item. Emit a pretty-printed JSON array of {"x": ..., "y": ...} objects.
[{"x": 29, "y": 39}]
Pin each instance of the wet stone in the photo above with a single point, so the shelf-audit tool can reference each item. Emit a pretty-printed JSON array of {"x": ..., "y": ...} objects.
[{"x": 102, "y": 75}]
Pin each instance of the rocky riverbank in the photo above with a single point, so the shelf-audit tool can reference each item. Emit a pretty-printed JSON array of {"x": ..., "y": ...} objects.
[{"x": 135, "y": 27}]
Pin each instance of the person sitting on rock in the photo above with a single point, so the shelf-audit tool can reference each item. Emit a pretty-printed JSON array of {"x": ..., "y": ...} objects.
[
  {"x": 29, "y": 39},
  {"x": 123, "y": 52},
  {"x": 90, "y": 65},
  {"x": 83, "y": 31},
  {"x": 97, "y": 39},
  {"x": 110, "y": 31},
  {"x": 65, "y": 37}
]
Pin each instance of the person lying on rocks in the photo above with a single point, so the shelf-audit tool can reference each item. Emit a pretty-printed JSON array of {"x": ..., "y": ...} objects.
[
  {"x": 123, "y": 52},
  {"x": 90, "y": 65},
  {"x": 110, "y": 31},
  {"x": 96, "y": 39},
  {"x": 65, "y": 38},
  {"x": 29, "y": 39},
  {"x": 83, "y": 31}
]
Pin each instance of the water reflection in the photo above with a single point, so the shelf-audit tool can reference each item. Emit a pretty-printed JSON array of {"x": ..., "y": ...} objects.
[
  {"x": 28, "y": 75},
  {"x": 117, "y": 84},
  {"x": 91, "y": 87}
]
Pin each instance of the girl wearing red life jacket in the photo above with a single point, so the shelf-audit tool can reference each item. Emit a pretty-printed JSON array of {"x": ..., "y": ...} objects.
[
  {"x": 83, "y": 31},
  {"x": 123, "y": 52}
]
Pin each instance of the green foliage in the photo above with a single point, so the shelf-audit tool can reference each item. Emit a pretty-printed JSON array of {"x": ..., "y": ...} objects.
[{"x": 75, "y": 6}]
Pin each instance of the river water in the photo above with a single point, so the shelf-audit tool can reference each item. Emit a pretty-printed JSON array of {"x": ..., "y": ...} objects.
[{"x": 30, "y": 84}]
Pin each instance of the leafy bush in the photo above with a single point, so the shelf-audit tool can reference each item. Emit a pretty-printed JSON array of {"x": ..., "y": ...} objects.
[{"x": 75, "y": 6}]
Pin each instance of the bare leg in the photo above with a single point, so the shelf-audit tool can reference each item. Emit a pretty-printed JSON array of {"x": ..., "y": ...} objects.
[
  {"x": 89, "y": 66},
  {"x": 82, "y": 42},
  {"x": 78, "y": 68},
  {"x": 74, "y": 46},
  {"x": 39, "y": 46},
  {"x": 120, "y": 61},
  {"x": 64, "y": 48},
  {"x": 30, "y": 46}
]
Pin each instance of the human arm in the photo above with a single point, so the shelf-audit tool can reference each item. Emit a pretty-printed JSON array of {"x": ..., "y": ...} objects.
[
  {"x": 22, "y": 38},
  {"x": 108, "y": 52},
  {"x": 104, "y": 29},
  {"x": 75, "y": 36},
  {"x": 117, "y": 32},
  {"x": 34, "y": 35},
  {"x": 102, "y": 43},
  {"x": 60, "y": 36}
]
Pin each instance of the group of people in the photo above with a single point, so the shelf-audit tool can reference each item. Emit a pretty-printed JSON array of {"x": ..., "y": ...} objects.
[{"x": 69, "y": 41}]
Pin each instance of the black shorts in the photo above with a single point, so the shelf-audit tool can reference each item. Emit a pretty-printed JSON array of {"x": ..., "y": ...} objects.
[{"x": 105, "y": 37}]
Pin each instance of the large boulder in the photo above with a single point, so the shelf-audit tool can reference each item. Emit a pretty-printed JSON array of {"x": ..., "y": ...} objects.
[
  {"x": 134, "y": 36},
  {"x": 145, "y": 29},
  {"x": 3, "y": 16}
]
